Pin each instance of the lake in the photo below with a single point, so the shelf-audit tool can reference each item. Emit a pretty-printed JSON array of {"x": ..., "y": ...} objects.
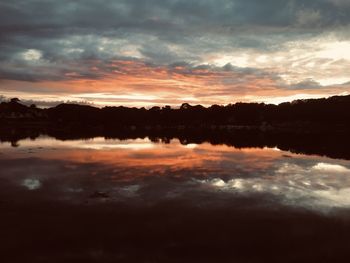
[{"x": 106, "y": 200}]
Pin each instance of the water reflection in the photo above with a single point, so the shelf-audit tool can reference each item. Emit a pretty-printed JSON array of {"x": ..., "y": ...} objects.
[
  {"x": 143, "y": 172},
  {"x": 31, "y": 184}
]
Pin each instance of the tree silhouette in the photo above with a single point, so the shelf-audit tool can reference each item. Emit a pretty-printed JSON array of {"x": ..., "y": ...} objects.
[
  {"x": 331, "y": 113},
  {"x": 15, "y": 100}
]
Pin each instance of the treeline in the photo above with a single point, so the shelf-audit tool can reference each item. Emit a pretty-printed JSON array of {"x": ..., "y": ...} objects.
[
  {"x": 330, "y": 112},
  {"x": 318, "y": 126}
]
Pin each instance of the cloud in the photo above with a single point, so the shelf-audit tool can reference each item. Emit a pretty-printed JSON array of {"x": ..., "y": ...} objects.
[
  {"x": 134, "y": 82},
  {"x": 340, "y": 3},
  {"x": 105, "y": 44},
  {"x": 55, "y": 26},
  {"x": 306, "y": 84},
  {"x": 308, "y": 17}
]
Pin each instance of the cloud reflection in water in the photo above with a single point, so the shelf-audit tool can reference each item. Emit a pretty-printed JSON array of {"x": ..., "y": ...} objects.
[{"x": 143, "y": 171}]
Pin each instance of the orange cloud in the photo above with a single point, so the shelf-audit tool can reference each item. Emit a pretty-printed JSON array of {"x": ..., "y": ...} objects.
[{"x": 137, "y": 83}]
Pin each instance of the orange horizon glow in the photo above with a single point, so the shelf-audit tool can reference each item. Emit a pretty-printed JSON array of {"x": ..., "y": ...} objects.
[{"x": 134, "y": 83}]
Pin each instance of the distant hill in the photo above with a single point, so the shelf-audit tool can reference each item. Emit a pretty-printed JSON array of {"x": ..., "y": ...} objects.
[{"x": 14, "y": 110}]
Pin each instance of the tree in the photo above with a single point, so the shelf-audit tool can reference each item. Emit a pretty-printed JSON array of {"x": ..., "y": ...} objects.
[
  {"x": 185, "y": 106},
  {"x": 14, "y": 100}
]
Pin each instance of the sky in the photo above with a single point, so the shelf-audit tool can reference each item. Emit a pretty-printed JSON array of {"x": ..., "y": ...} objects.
[{"x": 166, "y": 52}]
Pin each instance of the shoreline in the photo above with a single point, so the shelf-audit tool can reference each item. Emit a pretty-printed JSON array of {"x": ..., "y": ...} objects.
[{"x": 324, "y": 142}]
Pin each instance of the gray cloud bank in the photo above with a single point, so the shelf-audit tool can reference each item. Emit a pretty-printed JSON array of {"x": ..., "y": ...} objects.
[{"x": 55, "y": 40}]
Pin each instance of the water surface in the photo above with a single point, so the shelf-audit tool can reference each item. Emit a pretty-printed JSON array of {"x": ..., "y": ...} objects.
[
  {"x": 178, "y": 199},
  {"x": 144, "y": 171}
]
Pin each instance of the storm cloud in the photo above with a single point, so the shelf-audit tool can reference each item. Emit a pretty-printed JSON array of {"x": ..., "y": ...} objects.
[{"x": 74, "y": 45}]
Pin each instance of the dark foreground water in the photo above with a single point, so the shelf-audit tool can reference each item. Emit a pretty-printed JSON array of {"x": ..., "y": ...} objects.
[{"x": 138, "y": 201}]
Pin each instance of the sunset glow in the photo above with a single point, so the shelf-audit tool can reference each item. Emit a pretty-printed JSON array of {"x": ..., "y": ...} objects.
[{"x": 170, "y": 52}]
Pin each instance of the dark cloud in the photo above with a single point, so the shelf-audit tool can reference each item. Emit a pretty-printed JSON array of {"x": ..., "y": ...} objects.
[
  {"x": 306, "y": 84},
  {"x": 154, "y": 24},
  {"x": 94, "y": 68},
  {"x": 161, "y": 14},
  {"x": 68, "y": 40}
]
